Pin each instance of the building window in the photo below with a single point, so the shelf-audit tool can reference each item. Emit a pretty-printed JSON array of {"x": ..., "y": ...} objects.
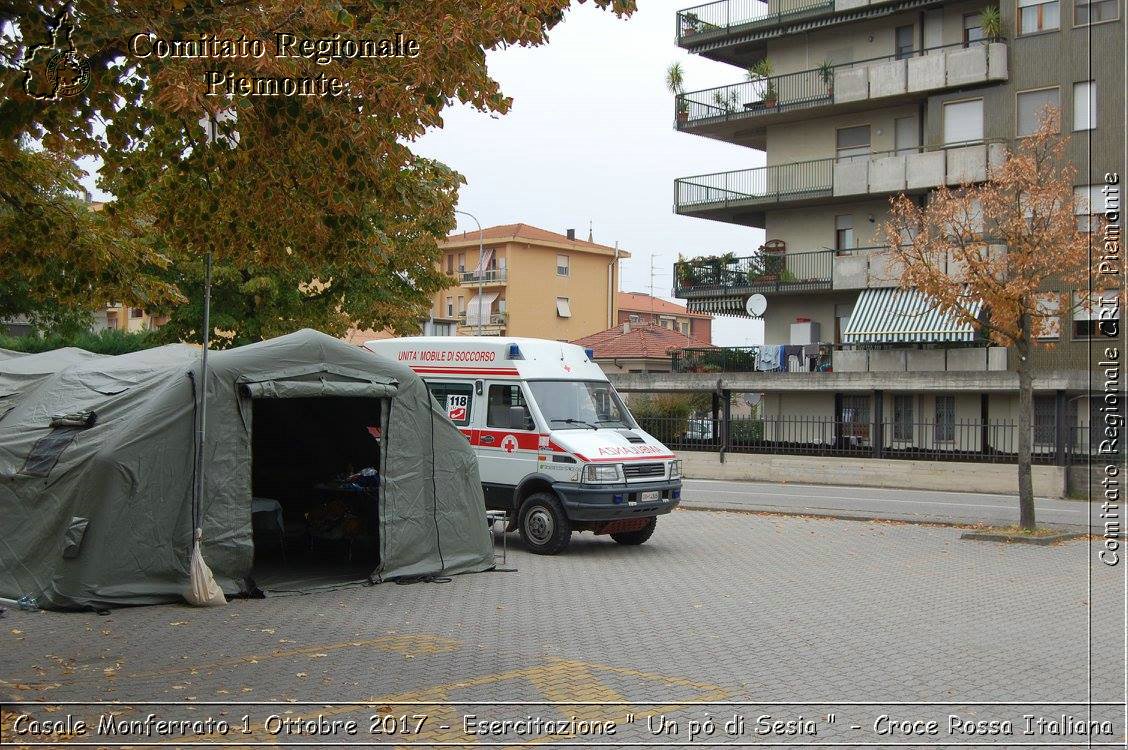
[
  {"x": 562, "y": 268},
  {"x": 944, "y": 431},
  {"x": 684, "y": 326},
  {"x": 1033, "y": 108},
  {"x": 1086, "y": 205},
  {"x": 1085, "y": 105},
  {"x": 1095, "y": 11},
  {"x": 1096, "y": 316},
  {"x": 906, "y": 135},
  {"x": 136, "y": 312},
  {"x": 844, "y": 233},
  {"x": 855, "y": 418},
  {"x": 461, "y": 304},
  {"x": 455, "y": 399},
  {"x": 963, "y": 122},
  {"x": 902, "y": 416},
  {"x": 1038, "y": 15},
  {"x": 563, "y": 307},
  {"x": 633, "y": 318},
  {"x": 903, "y": 41},
  {"x": 462, "y": 262},
  {"x": 972, "y": 29},
  {"x": 853, "y": 141},
  {"x": 450, "y": 307},
  {"x": 450, "y": 263},
  {"x": 1047, "y": 323}
]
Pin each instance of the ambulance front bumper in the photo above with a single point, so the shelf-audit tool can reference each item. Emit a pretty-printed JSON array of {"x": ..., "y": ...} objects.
[{"x": 608, "y": 502}]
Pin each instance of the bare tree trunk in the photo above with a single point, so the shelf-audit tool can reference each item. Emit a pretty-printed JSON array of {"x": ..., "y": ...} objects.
[{"x": 1025, "y": 410}]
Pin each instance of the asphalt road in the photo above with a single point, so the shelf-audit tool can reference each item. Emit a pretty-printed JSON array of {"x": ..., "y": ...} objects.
[{"x": 878, "y": 503}]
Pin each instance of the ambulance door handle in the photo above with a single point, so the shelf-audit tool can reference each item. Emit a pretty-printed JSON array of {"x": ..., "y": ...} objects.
[{"x": 487, "y": 438}]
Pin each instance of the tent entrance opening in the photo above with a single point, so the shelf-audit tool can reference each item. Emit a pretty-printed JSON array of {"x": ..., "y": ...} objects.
[{"x": 315, "y": 490}]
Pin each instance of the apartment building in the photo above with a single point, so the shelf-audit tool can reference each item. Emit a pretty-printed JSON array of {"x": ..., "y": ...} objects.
[
  {"x": 641, "y": 308},
  {"x": 861, "y": 100},
  {"x": 526, "y": 282}
]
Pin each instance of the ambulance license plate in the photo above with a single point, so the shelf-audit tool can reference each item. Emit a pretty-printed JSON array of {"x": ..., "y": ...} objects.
[{"x": 650, "y": 497}]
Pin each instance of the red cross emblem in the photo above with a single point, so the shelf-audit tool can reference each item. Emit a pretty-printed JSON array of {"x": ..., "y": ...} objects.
[{"x": 509, "y": 444}]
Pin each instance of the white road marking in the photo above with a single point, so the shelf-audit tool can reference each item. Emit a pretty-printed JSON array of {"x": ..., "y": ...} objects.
[{"x": 881, "y": 500}]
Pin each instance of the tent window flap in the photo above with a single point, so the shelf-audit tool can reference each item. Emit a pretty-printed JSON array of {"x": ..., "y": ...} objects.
[
  {"x": 891, "y": 316},
  {"x": 317, "y": 389}
]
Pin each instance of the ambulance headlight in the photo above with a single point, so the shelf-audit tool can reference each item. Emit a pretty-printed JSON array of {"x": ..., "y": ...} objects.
[
  {"x": 675, "y": 469},
  {"x": 595, "y": 473}
]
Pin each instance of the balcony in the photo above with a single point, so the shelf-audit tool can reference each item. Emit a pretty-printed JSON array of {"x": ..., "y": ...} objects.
[
  {"x": 492, "y": 325},
  {"x": 765, "y": 273},
  {"x": 742, "y": 196},
  {"x": 736, "y": 31},
  {"x": 489, "y": 277},
  {"x": 741, "y": 112}
]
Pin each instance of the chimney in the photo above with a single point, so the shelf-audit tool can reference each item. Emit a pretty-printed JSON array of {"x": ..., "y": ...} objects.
[
  {"x": 626, "y": 326},
  {"x": 571, "y": 234}
]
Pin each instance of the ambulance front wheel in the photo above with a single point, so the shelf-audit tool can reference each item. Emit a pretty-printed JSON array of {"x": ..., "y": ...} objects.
[
  {"x": 544, "y": 527},
  {"x": 639, "y": 536}
]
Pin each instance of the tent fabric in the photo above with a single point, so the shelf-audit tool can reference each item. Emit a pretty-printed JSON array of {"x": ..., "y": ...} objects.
[
  {"x": 892, "y": 316},
  {"x": 111, "y": 521}
]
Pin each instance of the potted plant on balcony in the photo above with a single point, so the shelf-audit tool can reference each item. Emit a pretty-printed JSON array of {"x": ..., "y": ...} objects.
[
  {"x": 691, "y": 24},
  {"x": 675, "y": 84},
  {"x": 826, "y": 73},
  {"x": 991, "y": 21},
  {"x": 760, "y": 74}
]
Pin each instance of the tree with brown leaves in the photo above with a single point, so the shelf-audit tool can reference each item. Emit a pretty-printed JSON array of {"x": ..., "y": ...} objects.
[{"x": 1013, "y": 243}]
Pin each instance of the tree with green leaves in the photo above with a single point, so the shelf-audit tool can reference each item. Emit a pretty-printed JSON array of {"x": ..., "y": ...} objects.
[{"x": 315, "y": 207}]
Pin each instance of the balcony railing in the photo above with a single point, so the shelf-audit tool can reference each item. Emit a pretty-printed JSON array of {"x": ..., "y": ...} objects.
[
  {"x": 841, "y": 83},
  {"x": 810, "y": 179},
  {"x": 766, "y": 273},
  {"x": 875, "y": 172},
  {"x": 489, "y": 276},
  {"x": 493, "y": 319},
  {"x": 728, "y": 15}
]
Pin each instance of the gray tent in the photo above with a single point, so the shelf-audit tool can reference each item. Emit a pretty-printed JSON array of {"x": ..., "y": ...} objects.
[{"x": 102, "y": 514}]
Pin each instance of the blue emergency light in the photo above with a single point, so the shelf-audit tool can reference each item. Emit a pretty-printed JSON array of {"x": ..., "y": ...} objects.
[{"x": 515, "y": 352}]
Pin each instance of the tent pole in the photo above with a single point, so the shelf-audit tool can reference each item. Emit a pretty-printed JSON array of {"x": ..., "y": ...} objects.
[{"x": 201, "y": 424}]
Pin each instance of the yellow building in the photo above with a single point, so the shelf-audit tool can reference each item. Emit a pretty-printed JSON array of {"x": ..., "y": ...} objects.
[{"x": 532, "y": 282}]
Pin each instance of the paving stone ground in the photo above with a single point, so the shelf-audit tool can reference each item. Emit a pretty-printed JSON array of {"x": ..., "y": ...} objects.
[{"x": 716, "y": 607}]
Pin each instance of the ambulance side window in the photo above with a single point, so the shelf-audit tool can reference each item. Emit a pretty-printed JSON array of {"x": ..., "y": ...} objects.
[
  {"x": 507, "y": 410},
  {"x": 455, "y": 399}
]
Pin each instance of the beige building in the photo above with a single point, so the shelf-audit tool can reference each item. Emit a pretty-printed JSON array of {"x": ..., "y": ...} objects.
[{"x": 528, "y": 282}]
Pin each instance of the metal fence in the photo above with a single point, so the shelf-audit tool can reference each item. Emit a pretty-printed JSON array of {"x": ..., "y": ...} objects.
[
  {"x": 813, "y": 179},
  {"x": 956, "y": 440},
  {"x": 765, "y": 272},
  {"x": 714, "y": 359}
]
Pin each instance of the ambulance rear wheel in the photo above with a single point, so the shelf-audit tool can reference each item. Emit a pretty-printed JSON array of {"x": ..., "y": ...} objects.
[
  {"x": 544, "y": 527},
  {"x": 639, "y": 536}
]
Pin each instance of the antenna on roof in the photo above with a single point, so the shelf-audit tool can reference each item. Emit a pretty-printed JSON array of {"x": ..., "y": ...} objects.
[{"x": 589, "y": 232}]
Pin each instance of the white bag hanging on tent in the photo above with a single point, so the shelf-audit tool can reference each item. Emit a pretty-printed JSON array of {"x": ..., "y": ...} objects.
[{"x": 203, "y": 591}]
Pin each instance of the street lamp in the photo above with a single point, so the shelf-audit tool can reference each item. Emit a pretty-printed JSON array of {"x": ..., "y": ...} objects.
[{"x": 481, "y": 271}]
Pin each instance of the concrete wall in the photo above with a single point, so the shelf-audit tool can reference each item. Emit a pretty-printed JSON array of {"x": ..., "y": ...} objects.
[
  {"x": 816, "y": 138},
  {"x": 951, "y": 476},
  {"x": 806, "y": 229}
]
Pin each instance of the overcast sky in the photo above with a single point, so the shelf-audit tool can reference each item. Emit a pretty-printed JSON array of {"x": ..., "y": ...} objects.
[{"x": 590, "y": 137}]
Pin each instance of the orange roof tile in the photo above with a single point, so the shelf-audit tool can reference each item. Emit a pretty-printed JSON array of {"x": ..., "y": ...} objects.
[
  {"x": 526, "y": 233},
  {"x": 642, "y": 302},
  {"x": 640, "y": 341}
]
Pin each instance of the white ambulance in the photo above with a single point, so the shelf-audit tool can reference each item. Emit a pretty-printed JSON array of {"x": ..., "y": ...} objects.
[{"x": 557, "y": 448}]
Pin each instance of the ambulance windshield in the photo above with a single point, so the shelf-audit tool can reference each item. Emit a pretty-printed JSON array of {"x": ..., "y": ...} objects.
[{"x": 580, "y": 405}]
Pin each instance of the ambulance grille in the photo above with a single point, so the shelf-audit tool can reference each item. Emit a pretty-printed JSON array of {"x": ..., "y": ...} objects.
[{"x": 634, "y": 471}]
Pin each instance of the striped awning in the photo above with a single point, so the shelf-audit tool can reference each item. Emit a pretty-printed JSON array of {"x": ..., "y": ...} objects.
[
  {"x": 891, "y": 316},
  {"x": 717, "y": 305}
]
